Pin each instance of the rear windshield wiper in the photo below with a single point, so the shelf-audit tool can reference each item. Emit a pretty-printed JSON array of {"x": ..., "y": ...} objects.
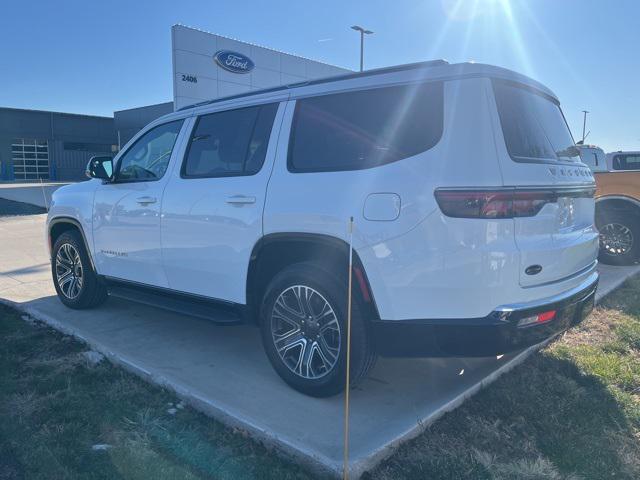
[{"x": 570, "y": 151}]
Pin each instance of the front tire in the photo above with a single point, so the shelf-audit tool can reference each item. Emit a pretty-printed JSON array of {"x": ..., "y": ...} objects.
[
  {"x": 303, "y": 322},
  {"x": 619, "y": 237},
  {"x": 76, "y": 283}
]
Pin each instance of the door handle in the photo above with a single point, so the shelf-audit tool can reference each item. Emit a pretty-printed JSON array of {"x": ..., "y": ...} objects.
[
  {"x": 146, "y": 200},
  {"x": 240, "y": 200}
]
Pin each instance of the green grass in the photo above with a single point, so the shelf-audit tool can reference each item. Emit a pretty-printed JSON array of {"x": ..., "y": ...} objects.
[
  {"x": 572, "y": 411},
  {"x": 55, "y": 405}
]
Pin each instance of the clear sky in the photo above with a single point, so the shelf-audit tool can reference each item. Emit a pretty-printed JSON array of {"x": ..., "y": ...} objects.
[{"x": 96, "y": 57}]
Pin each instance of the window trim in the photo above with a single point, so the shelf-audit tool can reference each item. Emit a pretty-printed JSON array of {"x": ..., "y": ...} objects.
[
  {"x": 183, "y": 166},
  {"x": 125, "y": 152},
  {"x": 540, "y": 93},
  {"x": 293, "y": 169}
]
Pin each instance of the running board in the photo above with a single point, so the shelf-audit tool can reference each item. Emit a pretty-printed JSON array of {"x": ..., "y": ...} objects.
[{"x": 212, "y": 310}]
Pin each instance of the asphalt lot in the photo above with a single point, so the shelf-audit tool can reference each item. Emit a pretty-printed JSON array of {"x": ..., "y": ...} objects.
[{"x": 224, "y": 372}]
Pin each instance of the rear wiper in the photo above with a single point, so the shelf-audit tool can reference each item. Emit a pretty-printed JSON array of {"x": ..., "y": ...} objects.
[{"x": 570, "y": 151}]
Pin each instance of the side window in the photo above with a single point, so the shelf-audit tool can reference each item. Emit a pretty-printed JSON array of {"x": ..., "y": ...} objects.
[
  {"x": 230, "y": 143},
  {"x": 626, "y": 162},
  {"x": 365, "y": 129},
  {"x": 148, "y": 158}
]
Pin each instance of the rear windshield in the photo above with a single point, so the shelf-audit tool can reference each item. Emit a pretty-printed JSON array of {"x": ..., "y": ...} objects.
[
  {"x": 533, "y": 125},
  {"x": 627, "y": 162}
]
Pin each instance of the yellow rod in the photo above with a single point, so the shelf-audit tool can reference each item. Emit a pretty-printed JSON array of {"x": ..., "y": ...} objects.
[{"x": 345, "y": 468}]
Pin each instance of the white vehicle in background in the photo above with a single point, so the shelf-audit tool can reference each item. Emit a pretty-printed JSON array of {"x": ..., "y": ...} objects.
[
  {"x": 474, "y": 218},
  {"x": 594, "y": 157}
]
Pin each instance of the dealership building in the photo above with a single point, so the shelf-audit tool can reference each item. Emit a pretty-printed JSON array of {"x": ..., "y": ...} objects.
[
  {"x": 51, "y": 145},
  {"x": 56, "y": 146}
]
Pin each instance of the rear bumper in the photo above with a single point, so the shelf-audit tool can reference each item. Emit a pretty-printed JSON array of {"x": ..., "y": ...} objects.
[{"x": 495, "y": 334}]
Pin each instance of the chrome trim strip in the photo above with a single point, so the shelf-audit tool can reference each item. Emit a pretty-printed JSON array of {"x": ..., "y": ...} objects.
[{"x": 585, "y": 285}]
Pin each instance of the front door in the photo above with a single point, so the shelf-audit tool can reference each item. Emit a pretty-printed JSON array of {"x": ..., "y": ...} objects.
[
  {"x": 212, "y": 211},
  {"x": 126, "y": 220}
]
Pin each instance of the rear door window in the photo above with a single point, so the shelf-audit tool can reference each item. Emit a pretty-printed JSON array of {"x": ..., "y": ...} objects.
[
  {"x": 365, "y": 129},
  {"x": 229, "y": 143},
  {"x": 533, "y": 125}
]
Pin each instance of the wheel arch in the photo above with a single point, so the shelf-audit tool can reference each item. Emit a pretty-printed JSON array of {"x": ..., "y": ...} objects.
[
  {"x": 621, "y": 203},
  {"x": 277, "y": 250},
  {"x": 57, "y": 226}
]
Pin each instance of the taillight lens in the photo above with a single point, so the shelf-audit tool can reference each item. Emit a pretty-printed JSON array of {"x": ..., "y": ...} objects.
[{"x": 493, "y": 203}]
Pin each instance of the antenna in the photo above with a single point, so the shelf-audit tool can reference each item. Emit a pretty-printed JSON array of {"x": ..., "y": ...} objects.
[{"x": 584, "y": 124}]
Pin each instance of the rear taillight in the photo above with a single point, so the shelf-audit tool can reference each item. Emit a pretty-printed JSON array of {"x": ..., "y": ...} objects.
[{"x": 505, "y": 203}]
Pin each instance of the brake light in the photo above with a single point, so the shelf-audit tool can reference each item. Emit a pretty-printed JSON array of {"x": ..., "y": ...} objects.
[{"x": 505, "y": 203}]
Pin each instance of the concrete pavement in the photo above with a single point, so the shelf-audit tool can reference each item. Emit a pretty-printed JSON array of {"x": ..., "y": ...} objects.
[{"x": 224, "y": 372}]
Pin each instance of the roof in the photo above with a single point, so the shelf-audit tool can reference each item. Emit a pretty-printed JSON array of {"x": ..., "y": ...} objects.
[
  {"x": 431, "y": 70},
  {"x": 320, "y": 81}
]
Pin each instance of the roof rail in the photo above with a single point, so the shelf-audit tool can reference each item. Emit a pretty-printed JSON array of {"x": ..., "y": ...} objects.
[{"x": 346, "y": 76}]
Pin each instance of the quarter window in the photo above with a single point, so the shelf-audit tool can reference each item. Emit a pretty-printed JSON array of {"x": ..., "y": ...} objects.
[
  {"x": 365, "y": 129},
  {"x": 148, "y": 158},
  {"x": 230, "y": 143}
]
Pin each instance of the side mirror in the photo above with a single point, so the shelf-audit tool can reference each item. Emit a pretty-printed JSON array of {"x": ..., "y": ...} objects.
[{"x": 100, "y": 167}]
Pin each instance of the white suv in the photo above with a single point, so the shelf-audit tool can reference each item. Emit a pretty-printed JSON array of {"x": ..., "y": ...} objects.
[{"x": 474, "y": 218}]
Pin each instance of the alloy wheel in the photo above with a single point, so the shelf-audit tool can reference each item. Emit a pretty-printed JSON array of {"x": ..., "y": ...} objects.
[
  {"x": 69, "y": 273},
  {"x": 306, "y": 332},
  {"x": 616, "y": 239}
]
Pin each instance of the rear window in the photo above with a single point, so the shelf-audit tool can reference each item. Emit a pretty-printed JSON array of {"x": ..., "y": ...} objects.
[
  {"x": 626, "y": 162},
  {"x": 533, "y": 125},
  {"x": 365, "y": 129}
]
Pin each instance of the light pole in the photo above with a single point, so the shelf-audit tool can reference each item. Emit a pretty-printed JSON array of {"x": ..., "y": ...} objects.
[
  {"x": 584, "y": 124},
  {"x": 363, "y": 32}
]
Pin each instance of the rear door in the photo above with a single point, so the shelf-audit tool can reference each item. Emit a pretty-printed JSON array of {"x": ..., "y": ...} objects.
[
  {"x": 538, "y": 155},
  {"x": 213, "y": 204}
]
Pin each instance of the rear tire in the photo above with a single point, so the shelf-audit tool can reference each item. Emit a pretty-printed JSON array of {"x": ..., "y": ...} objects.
[
  {"x": 619, "y": 237},
  {"x": 76, "y": 283},
  {"x": 314, "y": 303}
]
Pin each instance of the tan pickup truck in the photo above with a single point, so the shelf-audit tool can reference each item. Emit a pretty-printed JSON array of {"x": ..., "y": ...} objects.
[{"x": 618, "y": 215}]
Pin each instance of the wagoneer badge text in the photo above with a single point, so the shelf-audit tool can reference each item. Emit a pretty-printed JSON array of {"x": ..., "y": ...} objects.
[{"x": 233, "y": 61}]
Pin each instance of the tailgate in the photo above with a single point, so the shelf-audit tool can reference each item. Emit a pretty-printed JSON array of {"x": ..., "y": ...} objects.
[
  {"x": 537, "y": 154},
  {"x": 561, "y": 238}
]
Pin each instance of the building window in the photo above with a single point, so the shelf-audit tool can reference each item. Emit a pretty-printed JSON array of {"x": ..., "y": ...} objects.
[
  {"x": 30, "y": 159},
  {"x": 88, "y": 147}
]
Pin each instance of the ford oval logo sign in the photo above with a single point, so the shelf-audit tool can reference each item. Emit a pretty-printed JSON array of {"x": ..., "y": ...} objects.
[{"x": 233, "y": 61}]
